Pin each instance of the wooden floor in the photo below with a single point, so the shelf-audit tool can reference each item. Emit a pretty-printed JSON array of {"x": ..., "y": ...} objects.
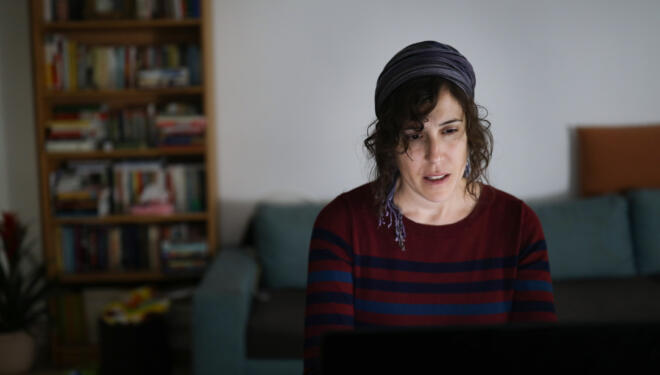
[{"x": 181, "y": 365}]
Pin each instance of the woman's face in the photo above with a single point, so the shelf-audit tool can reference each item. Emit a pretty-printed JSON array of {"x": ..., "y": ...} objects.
[{"x": 432, "y": 168}]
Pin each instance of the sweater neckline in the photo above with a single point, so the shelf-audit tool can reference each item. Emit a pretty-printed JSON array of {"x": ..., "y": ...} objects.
[{"x": 482, "y": 202}]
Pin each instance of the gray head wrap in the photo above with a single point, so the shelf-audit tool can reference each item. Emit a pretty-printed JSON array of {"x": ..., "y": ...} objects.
[{"x": 427, "y": 58}]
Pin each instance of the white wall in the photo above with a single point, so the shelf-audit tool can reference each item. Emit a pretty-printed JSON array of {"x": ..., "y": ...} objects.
[
  {"x": 19, "y": 190},
  {"x": 4, "y": 174},
  {"x": 295, "y": 83},
  {"x": 295, "y": 80}
]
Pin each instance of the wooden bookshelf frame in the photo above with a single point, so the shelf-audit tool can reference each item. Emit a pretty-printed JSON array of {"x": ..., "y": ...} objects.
[
  {"x": 123, "y": 154},
  {"x": 121, "y": 96},
  {"x": 125, "y": 32},
  {"x": 120, "y": 24}
]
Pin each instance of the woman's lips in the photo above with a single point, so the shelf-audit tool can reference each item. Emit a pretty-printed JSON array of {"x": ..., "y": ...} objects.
[{"x": 436, "y": 179}]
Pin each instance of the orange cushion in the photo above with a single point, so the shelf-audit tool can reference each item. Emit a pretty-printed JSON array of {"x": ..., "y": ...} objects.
[{"x": 614, "y": 159}]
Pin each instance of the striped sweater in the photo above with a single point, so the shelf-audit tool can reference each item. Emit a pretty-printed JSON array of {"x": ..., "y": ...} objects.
[{"x": 489, "y": 268}]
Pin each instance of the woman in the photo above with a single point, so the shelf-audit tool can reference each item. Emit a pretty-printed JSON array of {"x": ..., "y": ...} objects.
[{"x": 426, "y": 242}]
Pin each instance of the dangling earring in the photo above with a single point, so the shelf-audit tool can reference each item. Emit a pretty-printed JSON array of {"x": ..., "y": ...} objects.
[
  {"x": 391, "y": 212},
  {"x": 467, "y": 168}
]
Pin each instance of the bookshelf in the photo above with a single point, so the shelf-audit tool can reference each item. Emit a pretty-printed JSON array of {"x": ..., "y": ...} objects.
[{"x": 123, "y": 104}]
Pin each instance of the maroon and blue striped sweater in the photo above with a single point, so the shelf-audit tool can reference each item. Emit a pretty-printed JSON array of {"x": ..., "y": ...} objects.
[{"x": 489, "y": 268}]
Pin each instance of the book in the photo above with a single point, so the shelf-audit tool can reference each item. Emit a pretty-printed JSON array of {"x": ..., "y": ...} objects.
[
  {"x": 163, "y": 77},
  {"x": 69, "y": 145},
  {"x": 79, "y": 187},
  {"x": 153, "y": 209},
  {"x": 114, "y": 249},
  {"x": 153, "y": 247},
  {"x": 71, "y": 65}
]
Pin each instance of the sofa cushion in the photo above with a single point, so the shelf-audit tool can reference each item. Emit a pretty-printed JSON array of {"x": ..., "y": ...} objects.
[
  {"x": 588, "y": 237},
  {"x": 276, "y": 325},
  {"x": 282, "y": 235},
  {"x": 645, "y": 219},
  {"x": 614, "y": 159},
  {"x": 632, "y": 299}
]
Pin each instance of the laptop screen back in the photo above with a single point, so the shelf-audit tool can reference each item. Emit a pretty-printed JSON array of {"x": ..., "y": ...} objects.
[{"x": 515, "y": 348}]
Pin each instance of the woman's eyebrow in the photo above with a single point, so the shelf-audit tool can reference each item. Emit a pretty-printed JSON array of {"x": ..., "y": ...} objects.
[
  {"x": 412, "y": 126},
  {"x": 450, "y": 121},
  {"x": 416, "y": 126}
]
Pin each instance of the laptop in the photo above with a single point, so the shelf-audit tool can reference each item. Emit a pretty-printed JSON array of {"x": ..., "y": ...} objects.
[{"x": 516, "y": 348}]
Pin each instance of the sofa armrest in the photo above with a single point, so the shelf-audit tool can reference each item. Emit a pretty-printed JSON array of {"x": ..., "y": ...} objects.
[{"x": 221, "y": 307}]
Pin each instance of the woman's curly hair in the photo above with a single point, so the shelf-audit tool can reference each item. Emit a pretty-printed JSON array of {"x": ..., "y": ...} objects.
[{"x": 412, "y": 102}]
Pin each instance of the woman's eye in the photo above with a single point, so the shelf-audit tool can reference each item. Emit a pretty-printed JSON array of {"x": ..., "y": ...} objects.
[
  {"x": 414, "y": 136},
  {"x": 450, "y": 131}
]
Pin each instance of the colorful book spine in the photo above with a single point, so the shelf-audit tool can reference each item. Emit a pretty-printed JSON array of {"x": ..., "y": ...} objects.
[
  {"x": 70, "y": 65},
  {"x": 153, "y": 247}
]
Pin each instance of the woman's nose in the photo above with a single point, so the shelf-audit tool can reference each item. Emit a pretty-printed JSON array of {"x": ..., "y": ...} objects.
[{"x": 433, "y": 149}]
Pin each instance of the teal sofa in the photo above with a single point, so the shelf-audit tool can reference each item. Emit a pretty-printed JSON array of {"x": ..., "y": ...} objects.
[{"x": 248, "y": 311}]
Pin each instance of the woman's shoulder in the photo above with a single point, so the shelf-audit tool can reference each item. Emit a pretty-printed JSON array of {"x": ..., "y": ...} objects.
[
  {"x": 500, "y": 195},
  {"x": 502, "y": 200},
  {"x": 505, "y": 204},
  {"x": 355, "y": 201}
]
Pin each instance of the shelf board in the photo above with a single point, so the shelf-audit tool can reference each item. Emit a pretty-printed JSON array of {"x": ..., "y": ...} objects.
[
  {"x": 124, "y": 95},
  {"x": 120, "y": 24},
  {"x": 126, "y": 276},
  {"x": 128, "y": 153},
  {"x": 119, "y": 219}
]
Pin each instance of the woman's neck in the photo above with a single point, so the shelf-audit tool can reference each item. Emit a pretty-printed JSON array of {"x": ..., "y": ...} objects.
[{"x": 450, "y": 211}]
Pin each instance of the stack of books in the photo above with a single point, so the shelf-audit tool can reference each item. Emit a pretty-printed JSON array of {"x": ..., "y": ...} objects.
[
  {"x": 180, "y": 130},
  {"x": 87, "y": 248},
  {"x": 130, "y": 128},
  {"x": 177, "y": 9},
  {"x": 67, "y": 10},
  {"x": 184, "y": 249},
  {"x": 108, "y": 248},
  {"x": 165, "y": 188},
  {"x": 184, "y": 256},
  {"x": 81, "y": 188},
  {"x": 92, "y": 127},
  {"x": 74, "y": 66},
  {"x": 76, "y": 128},
  {"x": 149, "y": 187}
]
